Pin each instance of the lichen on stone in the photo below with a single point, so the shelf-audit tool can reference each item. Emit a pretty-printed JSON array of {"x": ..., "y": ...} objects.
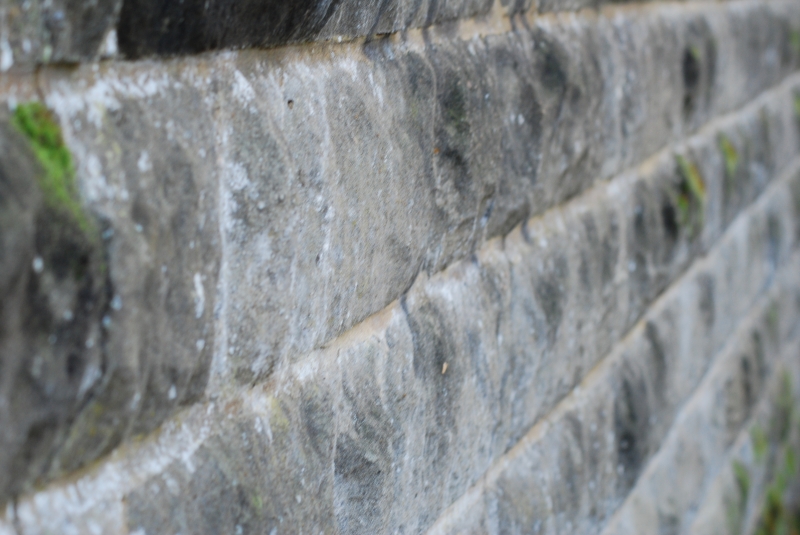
[{"x": 57, "y": 180}]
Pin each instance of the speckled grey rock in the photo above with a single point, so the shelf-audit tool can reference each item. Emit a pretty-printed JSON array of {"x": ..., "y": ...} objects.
[
  {"x": 58, "y": 31},
  {"x": 734, "y": 498},
  {"x": 159, "y": 198}
]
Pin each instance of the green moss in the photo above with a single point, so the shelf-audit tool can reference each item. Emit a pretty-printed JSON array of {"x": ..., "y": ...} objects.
[
  {"x": 742, "y": 479},
  {"x": 57, "y": 181},
  {"x": 691, "y": 196},
  {"x": 760, "y": 443},
  {"x": 776, "y": 517},
  {"x": 797, "y": 105},
  {"x": 694, "y": 50},
  {"x": 773, "y": 321},
  {"x": 730, "y": 155},
  {"x": 257, "y": 503},
  {"x": 794, "y": 41}
]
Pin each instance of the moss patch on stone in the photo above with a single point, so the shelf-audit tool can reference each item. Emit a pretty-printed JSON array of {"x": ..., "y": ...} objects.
[
  {"x": 797, "y": 105},
  {"x": 730, "y": 155},
  {"x": 777, "y": 516},
  {"x": 57, "y": 180},
  {"x": 794, "y": 41},
  {"x": 760, "y": 443},
  {"x": 691, "y": 196}
]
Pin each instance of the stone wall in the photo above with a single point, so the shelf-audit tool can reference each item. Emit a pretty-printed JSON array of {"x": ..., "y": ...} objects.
[{"x": 398, "y": 266}]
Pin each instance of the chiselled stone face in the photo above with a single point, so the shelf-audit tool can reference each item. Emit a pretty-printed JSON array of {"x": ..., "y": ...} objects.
[{"x": 396, "y": 266}]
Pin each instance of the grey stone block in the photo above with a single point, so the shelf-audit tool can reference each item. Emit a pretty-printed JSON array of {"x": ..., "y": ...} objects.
[
  {"x": 127, "y": 341},
  {"x": 53, "y": 295},
  {"x": 408, "y": 410},
  {"x": 735, "y": 498},
  {"x": 61, "y": 31},
  {"x": 315, "y": 154},
  {"x": 455, "y": 143},
  {"x": 728, "y": 402},
  {"x": 572, "y": 471}
]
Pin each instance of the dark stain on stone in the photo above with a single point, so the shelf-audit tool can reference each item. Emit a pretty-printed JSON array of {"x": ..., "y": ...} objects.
[
  {"x": 453, "y": 134},
  {"x": 590, "y": 253},
  {"x": 668, "y": 524},
  {"x": 670, "y": 220},
  {"x": 362, "y": 473},
  {"x": 610, "y": 249},
  {"x": 317, "y": 415},
  {"x": 707, "y": 307},
  {"x": 166, "y": 27},
  {"x": 774, "y": 233},
  {"x": 550, "y": 294},
  {"x": 362, "y": 463},
  {"x": 54, "y": 292},
  {"x": 433, "y": 347},
  {"x": 631, "y": 415},
  {"x": 691, "y": 69},
  {"x": 553, "y": 75},
  {"x": 658, "y": 355}
]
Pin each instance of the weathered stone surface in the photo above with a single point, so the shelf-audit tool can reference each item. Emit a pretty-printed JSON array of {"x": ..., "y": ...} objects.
[
  {"x": 143, "y": 173},
  {"x": 257, "y": 205},
  {"x": 43, "y": 31},
  {"x": 458, "y": 142},
  {"x": 570, "y": 472},
  {"x": 448, "y": 166},
  {"x": 53, "y": 296},
  {"x": 112, "y": 350},
  {"x": 676, "y": 481},
  {"x": 399, "y": 434},
  {"x": 734, "y": 500}
]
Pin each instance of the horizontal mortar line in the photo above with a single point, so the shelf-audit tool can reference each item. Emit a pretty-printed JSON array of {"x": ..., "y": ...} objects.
[
  {"x": 540, "y": 428},
  {"x": 179, "y": 437},
  {"x": 754, "y": 316}
]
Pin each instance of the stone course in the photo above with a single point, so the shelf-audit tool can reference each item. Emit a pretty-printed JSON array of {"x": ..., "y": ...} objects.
[{"x": 463, "y": 267}]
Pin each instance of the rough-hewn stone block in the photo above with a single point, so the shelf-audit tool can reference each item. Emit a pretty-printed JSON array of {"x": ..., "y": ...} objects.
[
  {"x": 677, "y": 480},
  {"x": 108, "y": 314},
  {"x": 572, "y": 471},
  {"x": 393, "y": 422},
  {"x": 459, "y": 142},
  {"x": 306, "y": 250},
  {"x": 734, "y": 499},
  {"x": 61, "y": 31},
  {"x": 256, "y": 206}
]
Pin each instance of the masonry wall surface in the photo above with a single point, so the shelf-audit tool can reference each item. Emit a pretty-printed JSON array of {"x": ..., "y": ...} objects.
[{"x": 399, "y": 266}]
